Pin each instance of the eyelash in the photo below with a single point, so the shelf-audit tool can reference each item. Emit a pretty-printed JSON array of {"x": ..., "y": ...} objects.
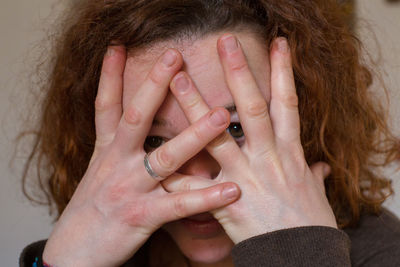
[{"x": 234, "y": 129}]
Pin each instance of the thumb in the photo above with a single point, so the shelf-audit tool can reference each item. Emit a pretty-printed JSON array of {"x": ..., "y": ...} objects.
[{"x": 321, "y": 170}]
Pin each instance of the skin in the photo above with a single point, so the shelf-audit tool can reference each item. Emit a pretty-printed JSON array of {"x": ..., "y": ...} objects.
[
  {"x": 202, "y": 65},
  {"x": 278, "y": 190}
]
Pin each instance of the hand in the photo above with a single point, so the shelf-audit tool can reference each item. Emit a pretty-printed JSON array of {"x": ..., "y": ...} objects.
[
  {"x": 279, "y": 189},
  {"x": 117, "y": 204}
]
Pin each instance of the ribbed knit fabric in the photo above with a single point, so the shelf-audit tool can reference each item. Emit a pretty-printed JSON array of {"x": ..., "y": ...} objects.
[
  {"x": 303, "y": 246},
  {"x": 375, "y": 242}
]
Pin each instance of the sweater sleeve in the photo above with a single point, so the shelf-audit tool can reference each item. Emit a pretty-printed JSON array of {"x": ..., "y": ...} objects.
[
  {"x": 30, "y": 253},
  {"x": 376, "y": 241},
  {"x": 303, "y": 246}
]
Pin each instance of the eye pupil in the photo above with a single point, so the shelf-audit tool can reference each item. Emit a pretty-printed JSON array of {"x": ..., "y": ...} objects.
[
  {"x": 235, "y": 129},
  {"x": 153, "y": 141}
]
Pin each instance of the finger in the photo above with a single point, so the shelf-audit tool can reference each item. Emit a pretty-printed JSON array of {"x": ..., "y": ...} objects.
[
  {"x": 176, "y": 206},
  {"x": 321, "y": 170},
  {"x": 139, "y": 113},
  {"x": 188, "y": 97},
  {"x": 250, "y": 103},
  {"x": 179, "y": 182},
  {"x": 284, "y": 102},
  {"x": 193, "y": 105},
  {"x": 169, "y": 157},
  {"x": 108, "y": 103}
]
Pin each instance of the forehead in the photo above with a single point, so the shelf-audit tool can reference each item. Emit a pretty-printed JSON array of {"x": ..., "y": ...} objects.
[{"x": 201, "y": 62}]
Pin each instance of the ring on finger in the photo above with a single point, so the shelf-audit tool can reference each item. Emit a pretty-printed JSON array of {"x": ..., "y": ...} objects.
[{"x": 150, "y": 170}]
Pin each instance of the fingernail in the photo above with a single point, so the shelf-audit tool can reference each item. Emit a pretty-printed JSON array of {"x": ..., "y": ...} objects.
[
  {"x": 169, "y": 58},
  {"x": 230, "y": 192},
  {"x": 218, "y": 118},
  {"x": 181, "y": 83},
  {"x": 110, "y": 51},
  {"x": 230, "y": 43},
  {"x": 283, "y": 45}
]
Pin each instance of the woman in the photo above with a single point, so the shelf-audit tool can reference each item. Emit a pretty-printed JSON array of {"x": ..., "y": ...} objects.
[{"x": 172, "y": 137}]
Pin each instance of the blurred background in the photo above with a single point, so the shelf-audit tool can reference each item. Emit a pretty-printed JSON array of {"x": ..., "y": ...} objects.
[{"x": 24, "y": 23}]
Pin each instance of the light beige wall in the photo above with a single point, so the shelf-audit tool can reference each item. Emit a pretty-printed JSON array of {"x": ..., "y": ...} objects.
[
  {"x": 379, "y": 28},
  {"x": 21, "y": 26}
]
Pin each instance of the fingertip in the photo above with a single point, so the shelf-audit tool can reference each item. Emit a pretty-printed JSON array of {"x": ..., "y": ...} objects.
[
  {"x": 180, "y": 83},
  {"x": 175, "y": 51},
  {"x": 229, "y": 47},
  {"x": 321, "y": 169},
  {"x": 114, "y": 50},
  {"x": 280, "y": 44},
  {"x": 326, "y": 170},
  {"x": 231, "y": 191},
  {"x": 219, "y": 116},
  {"x": 220, "y": 41},
  {"x": 114, "y": 59},
  {"x": 171, "y": 58},
  {"x": 229, "y": 43}
]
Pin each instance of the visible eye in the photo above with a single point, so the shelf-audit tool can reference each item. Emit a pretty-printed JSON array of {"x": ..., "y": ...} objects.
[
  {"x": 152, "y": 142},
  {"x": 235, "y": 129}
]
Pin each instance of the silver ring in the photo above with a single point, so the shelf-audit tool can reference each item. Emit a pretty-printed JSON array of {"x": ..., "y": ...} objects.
[{"x": 149, "y": 170}]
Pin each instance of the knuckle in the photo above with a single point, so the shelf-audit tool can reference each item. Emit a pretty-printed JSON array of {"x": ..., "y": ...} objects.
[
  {"x": 267, "y": 153},
  {"x": 101, "y": 168},
  {"x": 105, "y": 168},
  {"x": 104, "y": 140},
  {"x": 132, "y": 116},
  {"x": 179, "y": 207},
  {"x": 273, "y": 159},
  {"x": 291, "y": 100},
  {"x": 198, "y": 133},
  {"x": 240, "y": 66},
  {"x": 156, "y": 77},
  {"x": 219, "y": 142},
  {"x": 186, "y": 185},
  {"x": 101, "y": 103},
  {"x": 165, "y": 159},
  {"x": 192, "y": 103},
  {"x": 257, "y": 108}
]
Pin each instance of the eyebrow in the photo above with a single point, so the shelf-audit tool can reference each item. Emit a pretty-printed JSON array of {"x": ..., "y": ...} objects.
[
  {"x": 231, "y": 108},
  {"x": 164, "y": 123}
]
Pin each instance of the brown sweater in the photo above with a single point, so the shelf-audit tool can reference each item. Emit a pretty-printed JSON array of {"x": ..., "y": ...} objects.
[{"x": 374, "y": 243}]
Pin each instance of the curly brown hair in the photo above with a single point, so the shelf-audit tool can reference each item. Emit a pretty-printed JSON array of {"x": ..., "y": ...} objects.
[{"x": 342, "y": 123}]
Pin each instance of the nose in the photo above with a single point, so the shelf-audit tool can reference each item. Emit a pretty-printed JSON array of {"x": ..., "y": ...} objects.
[{"x": 202, "y": 164}]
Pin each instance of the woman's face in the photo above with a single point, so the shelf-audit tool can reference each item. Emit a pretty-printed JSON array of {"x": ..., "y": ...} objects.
[{"x": 200, "y": 239}]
